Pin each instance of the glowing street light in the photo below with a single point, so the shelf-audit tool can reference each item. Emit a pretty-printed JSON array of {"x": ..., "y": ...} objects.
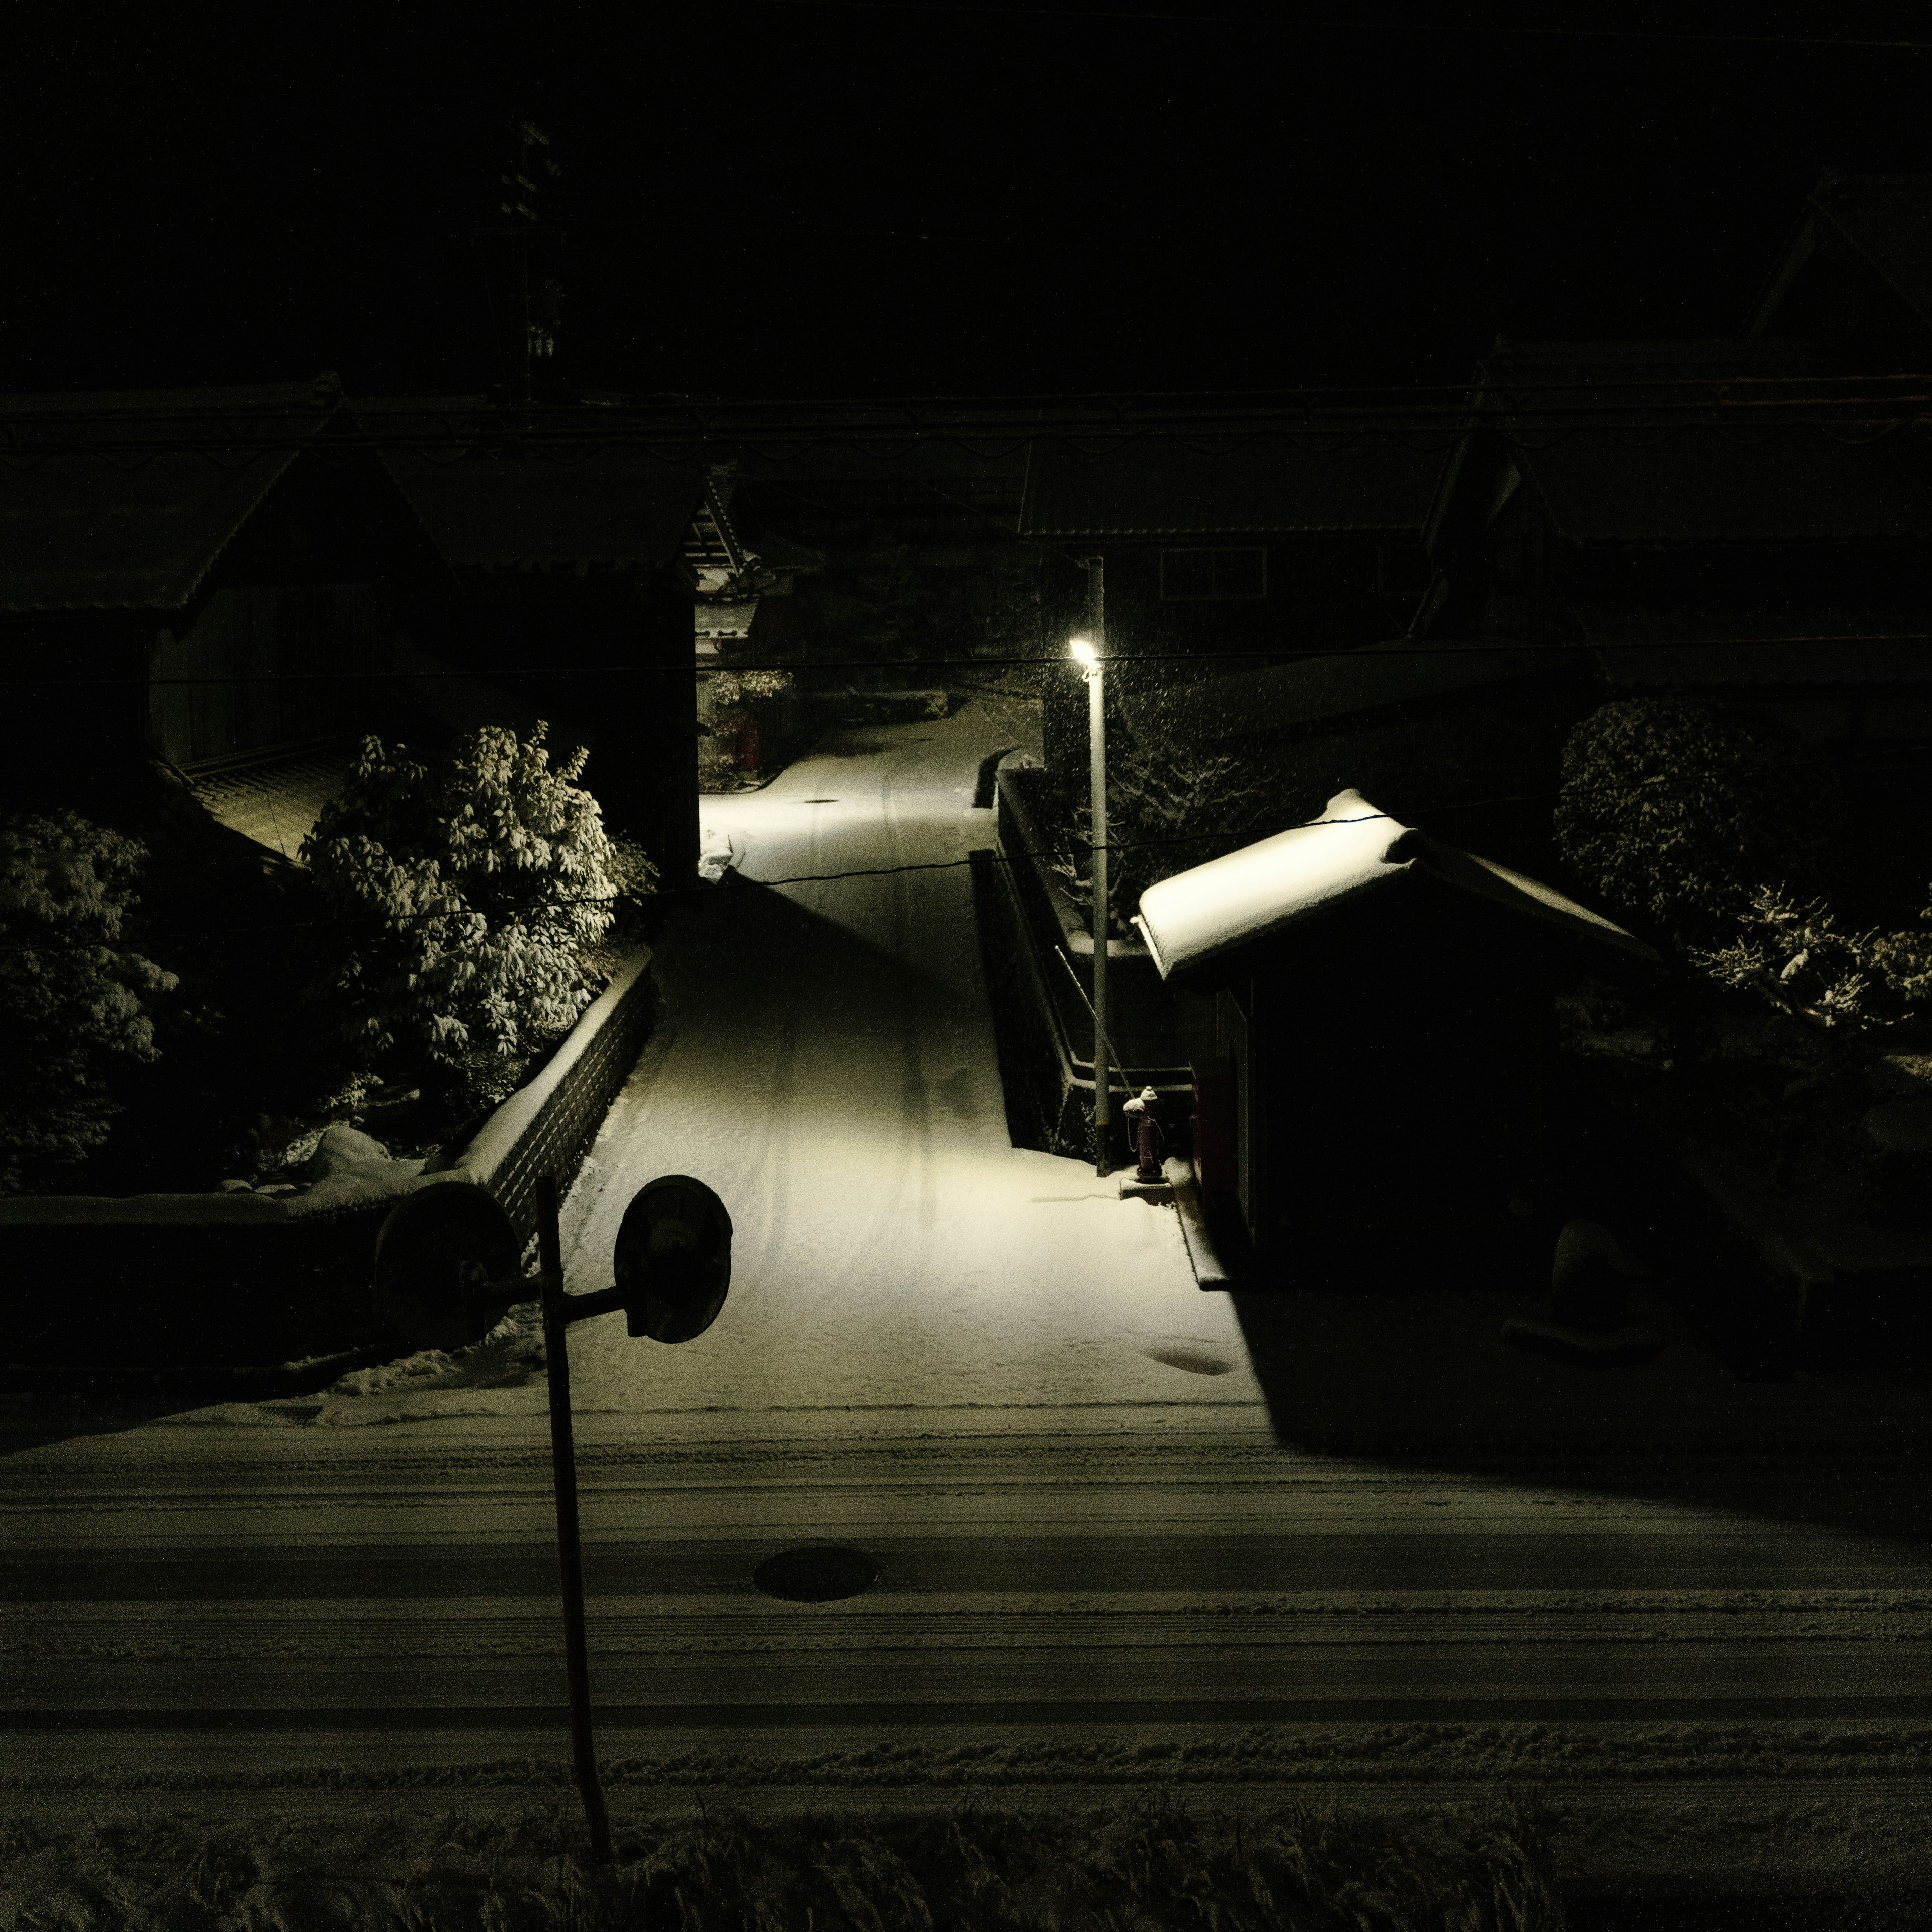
[{"x": 1086, "y": 654}]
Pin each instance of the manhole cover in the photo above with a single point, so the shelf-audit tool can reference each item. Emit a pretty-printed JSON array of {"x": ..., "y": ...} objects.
[
  {"x": 1194, "y": 1361},
  {"x": 821, "y": 1572}
]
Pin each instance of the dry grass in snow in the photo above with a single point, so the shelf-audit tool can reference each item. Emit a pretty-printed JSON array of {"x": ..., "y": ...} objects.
[{"x": 1156, "y": 1864}]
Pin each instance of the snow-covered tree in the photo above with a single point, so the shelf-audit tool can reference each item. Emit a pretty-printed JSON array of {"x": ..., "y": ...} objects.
[
  {"x": 1675, "y": 812},
  {"x": 74, "y": 998},
  {"x": 1168, "y": 808},
  {"x": 464, "y": 890}
]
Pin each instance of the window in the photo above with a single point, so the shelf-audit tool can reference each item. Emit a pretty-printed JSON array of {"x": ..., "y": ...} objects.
[{"x": 1192, "y": 574}]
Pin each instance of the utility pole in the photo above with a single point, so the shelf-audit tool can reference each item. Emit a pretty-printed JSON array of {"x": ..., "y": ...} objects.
[
  {"x": 536, "y": 310},
  {"x": 1096, "y": 755}
]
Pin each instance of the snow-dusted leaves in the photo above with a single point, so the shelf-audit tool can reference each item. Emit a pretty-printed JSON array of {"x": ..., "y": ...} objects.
[
  {"x": 1168, "y": 809},
  {"x": 1798, "y": 958},
  {"x": 1673, "y": 811},
  {"x": 74, "y": 998},
  {"x": 465, "y": 888}
]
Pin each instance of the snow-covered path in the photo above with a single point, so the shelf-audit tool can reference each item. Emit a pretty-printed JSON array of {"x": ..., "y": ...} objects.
[
  {"x": 825, "y": 1061},
  {"x": 1096, "y": 1564}
]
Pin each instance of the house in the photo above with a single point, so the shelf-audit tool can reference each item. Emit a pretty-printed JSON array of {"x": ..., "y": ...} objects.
[
  {"x": 1855, "y": 277},
  {"x": 202, "y": 574},
  {"x": 1370, "y": 1015},
  {"x": 574, "y": 601},
  {"x": 734, "y": 583},
  {"x": 1248, "y": 539},
  {"x": 1714, "y": 518}
]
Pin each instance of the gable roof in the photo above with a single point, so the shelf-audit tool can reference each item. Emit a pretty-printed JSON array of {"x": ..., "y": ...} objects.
[
  {"x": 1352, "y": 852},
  {"x": 486, "y": 505},
  {"x": 1638, "y": 648},
  {"x": 1886, "y": 220},
  {"x": 1345, "y": 684},
  {"x": 1624, "y": 471},
  {"x": 1155, "y": 486},
  {"x": 1700, "y": 485},
  {"x": 113, "y": 529}
]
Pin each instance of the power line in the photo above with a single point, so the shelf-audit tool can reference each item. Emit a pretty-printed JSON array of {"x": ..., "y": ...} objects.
[
  {"x": 1284, "y": 659},
  {"x": 988, "y": 854},
  {"x": 29, "y": 440},
  {"x": 337, "y": 921},
  {"x": 1498, "y": 372},
  {"x": 1301, "y": 23}
]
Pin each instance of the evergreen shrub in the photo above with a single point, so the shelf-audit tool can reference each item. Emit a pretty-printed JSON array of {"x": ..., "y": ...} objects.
[
  {"x": 466, "y": 893},
  {"x": 76, "y": 1001},
  {"x": 1168, "y": 808},
  {"x": 1674, "y": 812}
]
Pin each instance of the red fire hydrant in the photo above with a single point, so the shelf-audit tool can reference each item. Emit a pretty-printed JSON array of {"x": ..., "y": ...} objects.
[{"x": 1149, "y": 1141}]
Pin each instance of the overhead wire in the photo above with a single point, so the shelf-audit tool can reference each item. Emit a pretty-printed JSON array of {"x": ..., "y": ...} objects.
[
  {"x": 649, "y": 897},
  {"x": 1284, "y": 657},
  {"x": 1304, "y": 23},
  {"x": 711, "y": 888}
]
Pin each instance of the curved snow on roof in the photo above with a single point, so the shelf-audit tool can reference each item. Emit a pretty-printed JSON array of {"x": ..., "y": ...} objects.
[{"x": 1351, "y": 849}]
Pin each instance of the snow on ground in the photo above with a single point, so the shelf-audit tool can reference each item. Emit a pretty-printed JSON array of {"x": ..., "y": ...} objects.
[{"x": 825, "y": 1061}]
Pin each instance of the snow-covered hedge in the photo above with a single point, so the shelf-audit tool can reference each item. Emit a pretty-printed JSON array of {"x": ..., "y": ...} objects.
[
  {"x": 173, "y": 1280},
  {"x": 465, "y": 889},
  {"x": 74, "y": 997}
]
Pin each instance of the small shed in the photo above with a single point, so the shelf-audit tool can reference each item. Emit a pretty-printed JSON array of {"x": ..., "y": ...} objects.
[{"x": 1373, "y": 1035}]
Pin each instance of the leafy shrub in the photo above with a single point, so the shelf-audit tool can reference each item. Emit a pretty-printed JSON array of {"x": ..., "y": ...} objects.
[
  {"x": 1167, "y": 810},
  {"x": 718, "y": 772},
  {"x": 1797, "y": 958},
  {"x": 73, "y": 999},
  {"x": 1675, "y": 812},
  {"x": 867, "y": 602},
  {"x": 467, "y": 888},
  {"x": 732, "y": 687}
]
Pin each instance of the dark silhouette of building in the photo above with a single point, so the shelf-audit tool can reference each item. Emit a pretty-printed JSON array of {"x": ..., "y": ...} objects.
[
  {"x": 574, "y": 601},
  {"x": 200, "y": 574}
]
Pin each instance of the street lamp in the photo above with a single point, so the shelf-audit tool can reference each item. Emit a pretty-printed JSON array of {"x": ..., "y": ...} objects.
[{"x": 1088, "y": 656}]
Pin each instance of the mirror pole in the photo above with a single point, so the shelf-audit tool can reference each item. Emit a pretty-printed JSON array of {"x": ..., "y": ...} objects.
[{"x": 569, "y": 1544}]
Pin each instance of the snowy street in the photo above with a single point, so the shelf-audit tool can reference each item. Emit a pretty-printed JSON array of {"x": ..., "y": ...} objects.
[
  {"x": 974, "y": 1363},
  {"x": 826, "y": 1063}
]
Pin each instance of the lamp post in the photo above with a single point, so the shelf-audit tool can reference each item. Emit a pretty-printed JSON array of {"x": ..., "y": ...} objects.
[{"x": 1088, "y": 656}]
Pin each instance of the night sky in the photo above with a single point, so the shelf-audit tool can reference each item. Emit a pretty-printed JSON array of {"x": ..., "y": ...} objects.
[{"x": 213, "y": 194}]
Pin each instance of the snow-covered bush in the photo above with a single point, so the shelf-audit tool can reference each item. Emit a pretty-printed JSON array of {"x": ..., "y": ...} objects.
[
  {"x": 1796, "y": 957},
  {"x": 465, "y": 890},
  {"x": 74, "y": 1000},
  {"x": 1675, "y": 812},
  {"x": 733, "y": 687},
  {"x": 1168, "y": 809}
]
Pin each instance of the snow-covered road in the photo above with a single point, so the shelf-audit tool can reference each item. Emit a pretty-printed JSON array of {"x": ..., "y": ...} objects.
[
  {"x": 825, "y": 1061},
  {"x": 980, "y": 1366}
]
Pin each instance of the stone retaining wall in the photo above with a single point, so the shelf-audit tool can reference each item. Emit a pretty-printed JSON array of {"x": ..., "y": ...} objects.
[
  {"x": 1039, "y": 970},
  {"x": 229, "y": 1281}
]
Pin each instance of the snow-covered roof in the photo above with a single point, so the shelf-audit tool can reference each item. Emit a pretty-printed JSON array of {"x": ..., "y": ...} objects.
[
  {"x": 1261, "y": 484},
  {"x": 485, "y": 508},
  {"x": 1350, "y": 851},
  {"x": 85, "y": 527},
  {"x": 619, "y": 507}
]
